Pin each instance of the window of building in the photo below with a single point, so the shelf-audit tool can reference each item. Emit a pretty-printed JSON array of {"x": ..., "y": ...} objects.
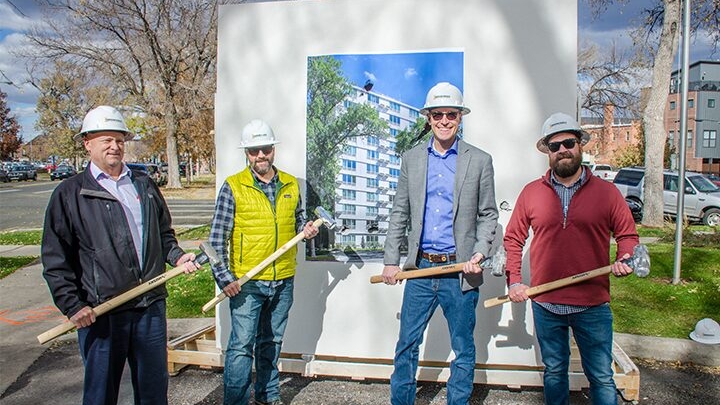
[
  {"x": 627, "y": 136},
  {"x": 711, "y": 103},
  {"x": 689, "y": 138},
  {"x": 348, "y": 240},
  {"x": 371, "y": 238},
  {"x": 395, "y": 159},
  {"x": 372, "y": 197},
  {"x": 349, "y": 209},
  {"x": 614, "y": 136},
  {"x": 413, "y": 114},
  {"x": 350, "y": 150},
  {"x": 393, "y": 185},
  {"x": 709, "y": 139},
  {"x": 394, "y": 119},
  {"x": 394, "y": 172},
  {"x": 373, "y": 98},
  {"x": 671, "y": 138},
  {"x": 672, "y": 105},
  {"x": 372, "y": 211},
  {"x": 348, "y": 104},
  {"x": 349, "y": 194},
  {"x": 394, "y": 106},
  {"x": 349, "y": 164},
  {"x": 691, "y": 103},
  {"x": 371, "y": 168},
  {"x": 348, "y": 179},
  {"x": 372, "y": 183},
  {"x": 393, "y": 132},
  {"x": 372, "y": 154},
  {"x": 349, "y": 223},
  {"x": 373, "y": 140}
]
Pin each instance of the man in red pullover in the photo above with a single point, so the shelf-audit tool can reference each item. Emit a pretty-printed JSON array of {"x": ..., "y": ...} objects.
[{"x": 572, "y": 214}]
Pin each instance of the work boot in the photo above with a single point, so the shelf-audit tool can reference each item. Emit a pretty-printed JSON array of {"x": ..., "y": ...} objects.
[{"x": 275, "y": 402}]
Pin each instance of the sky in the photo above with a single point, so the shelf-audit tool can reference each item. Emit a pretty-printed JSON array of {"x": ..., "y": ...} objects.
[{"x": 610, "y": 27}]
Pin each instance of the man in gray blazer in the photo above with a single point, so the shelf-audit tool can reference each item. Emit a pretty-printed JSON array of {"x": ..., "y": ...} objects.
[{"x": 445, "y": 200}]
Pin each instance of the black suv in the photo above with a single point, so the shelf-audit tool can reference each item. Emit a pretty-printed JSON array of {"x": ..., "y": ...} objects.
[{"x": 62, "y": 172}]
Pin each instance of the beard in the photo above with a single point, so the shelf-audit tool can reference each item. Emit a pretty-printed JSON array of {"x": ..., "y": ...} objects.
[
  {"x": 262, "y": 167},
  {"x": 563, "y": 167}
]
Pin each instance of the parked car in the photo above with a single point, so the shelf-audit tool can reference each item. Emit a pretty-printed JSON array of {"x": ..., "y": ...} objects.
[
  {"x": 22, "y": 172},
  {"x": 714, "y": 178},
  {"x": 702, "y": 197},
  {"x": 152, "y": 170},
  {"x": 4, "y": 175},
  {"x": 605, "y": 172},
  {"x": 62, "y": 172}
]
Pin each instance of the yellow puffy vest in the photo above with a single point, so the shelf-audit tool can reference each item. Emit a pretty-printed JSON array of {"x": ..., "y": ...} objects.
[{"x": 259, "y": 230}]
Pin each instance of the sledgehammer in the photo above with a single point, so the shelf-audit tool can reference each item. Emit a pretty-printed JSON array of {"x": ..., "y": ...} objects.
[
  {"x": 208, "y": 255},
  {"x": 323, "y": 218},
  {"x": 639, "y": 262}
]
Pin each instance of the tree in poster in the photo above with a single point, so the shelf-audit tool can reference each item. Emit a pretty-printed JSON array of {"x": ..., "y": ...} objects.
[
  {"x": 9, "y": 129},
  {"x": 330, "y": 125}
]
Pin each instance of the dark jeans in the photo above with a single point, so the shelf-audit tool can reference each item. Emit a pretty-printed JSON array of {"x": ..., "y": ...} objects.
[{"x": 138, "y": 336}]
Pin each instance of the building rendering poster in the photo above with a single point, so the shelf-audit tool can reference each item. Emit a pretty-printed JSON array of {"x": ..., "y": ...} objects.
[{"x": 362, "y": 113}]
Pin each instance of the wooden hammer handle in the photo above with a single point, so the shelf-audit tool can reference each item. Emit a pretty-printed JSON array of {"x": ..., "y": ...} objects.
[
  {"x": 111, "y": 304},
  {"x": 430, "y": 271},
  {"x": 553, "y": 285},
  {"x": 262, "y": 265}
]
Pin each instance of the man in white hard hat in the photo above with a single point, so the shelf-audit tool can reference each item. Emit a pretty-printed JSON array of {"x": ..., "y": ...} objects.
[
  {"x": 573, "y": 215},
  {"x": 106, "y": 231},
  {"x": 257, "y": 211},
  {"x": 446, "y": 200}
]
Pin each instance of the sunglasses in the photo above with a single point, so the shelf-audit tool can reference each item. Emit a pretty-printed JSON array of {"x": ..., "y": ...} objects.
[
  {"x": 567, "y": 143},
  {"x": 437, "y": 115},
  {"x": 266, "y": 150}
]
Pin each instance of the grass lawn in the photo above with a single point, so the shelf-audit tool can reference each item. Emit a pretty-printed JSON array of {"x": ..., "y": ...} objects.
[
  {"x": 21, "y": 237},
  {"x": 653, "y": 306},
  {"x": 8, "y": 265}
]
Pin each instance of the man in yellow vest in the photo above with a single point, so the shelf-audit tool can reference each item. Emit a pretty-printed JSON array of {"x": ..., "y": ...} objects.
[{"x": 257, "y": 211}]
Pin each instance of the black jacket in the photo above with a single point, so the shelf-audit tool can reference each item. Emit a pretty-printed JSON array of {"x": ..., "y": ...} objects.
[{"x": 88, "y": 253}]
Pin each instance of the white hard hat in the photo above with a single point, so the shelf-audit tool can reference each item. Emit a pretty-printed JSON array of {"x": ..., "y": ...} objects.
[
  {"x": 442, "y": 95},
  {"x": 257, "y": 133},
  {"x": 103, "y": 118},
  {"x": 557, "y": 123},
  {"x": 706, "y": 331}
]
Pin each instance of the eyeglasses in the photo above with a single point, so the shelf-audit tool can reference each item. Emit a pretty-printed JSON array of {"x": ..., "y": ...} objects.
[
  {"x": 437, "y": 115},
  {"x": 266, "y": 150},
  {"x": 567, "y": 143}
]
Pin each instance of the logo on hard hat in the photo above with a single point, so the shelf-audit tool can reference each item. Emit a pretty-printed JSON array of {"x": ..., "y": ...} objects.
[{"x": 558, "y": 123}]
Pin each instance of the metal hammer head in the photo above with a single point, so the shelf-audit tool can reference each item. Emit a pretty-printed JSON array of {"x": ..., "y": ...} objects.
[
  {"x": 326, "y": 218},
  {"x": 496, "y": 262},
  {"x": 639, "y": 261},
  {"x": 208, "y": 254}
]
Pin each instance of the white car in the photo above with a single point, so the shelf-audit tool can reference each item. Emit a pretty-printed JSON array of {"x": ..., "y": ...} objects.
[{"x": 605, "y": 172}]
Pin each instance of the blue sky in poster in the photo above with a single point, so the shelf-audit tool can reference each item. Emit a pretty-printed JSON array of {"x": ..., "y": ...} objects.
[{"x": 406, "y": 77}]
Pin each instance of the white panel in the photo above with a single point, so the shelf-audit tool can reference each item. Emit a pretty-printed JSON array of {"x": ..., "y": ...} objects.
[{"x": 520, "y": 64}]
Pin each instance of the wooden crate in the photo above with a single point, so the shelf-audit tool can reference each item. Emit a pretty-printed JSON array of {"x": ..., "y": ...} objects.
[{"x": 199, "y": 348}]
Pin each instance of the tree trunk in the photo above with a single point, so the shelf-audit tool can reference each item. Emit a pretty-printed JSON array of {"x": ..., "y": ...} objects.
[
  {"x": 653, "y": 116},
  {"x": 171, "y": 124}
]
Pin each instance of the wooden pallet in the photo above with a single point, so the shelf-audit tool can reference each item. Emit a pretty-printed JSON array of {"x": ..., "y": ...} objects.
[{"x": 199, "y": 348}]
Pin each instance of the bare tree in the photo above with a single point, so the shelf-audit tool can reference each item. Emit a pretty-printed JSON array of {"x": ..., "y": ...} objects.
[
  {"x": 160, "y": 53},
  {"x": 660, "y": 49}
]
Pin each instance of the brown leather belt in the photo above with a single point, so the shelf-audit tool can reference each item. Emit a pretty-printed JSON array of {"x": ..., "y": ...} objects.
[{"x": 439, "y": 257}]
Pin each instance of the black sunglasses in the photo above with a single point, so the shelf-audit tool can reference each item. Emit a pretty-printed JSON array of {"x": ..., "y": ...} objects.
[
  {"x": 266, "y": 150},
  {"x": 437, "y": 115},
  {"x": 567, "y": 143}
]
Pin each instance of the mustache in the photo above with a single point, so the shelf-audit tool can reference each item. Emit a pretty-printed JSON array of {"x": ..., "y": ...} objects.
[{"x": 564, "y": 155}]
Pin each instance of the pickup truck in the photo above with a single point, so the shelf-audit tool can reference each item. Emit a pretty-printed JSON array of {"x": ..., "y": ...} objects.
[{"x": 605, "y": 172}]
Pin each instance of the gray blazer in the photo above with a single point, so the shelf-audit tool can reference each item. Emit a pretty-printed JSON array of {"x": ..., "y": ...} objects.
[{"x": 475, "y": 213}]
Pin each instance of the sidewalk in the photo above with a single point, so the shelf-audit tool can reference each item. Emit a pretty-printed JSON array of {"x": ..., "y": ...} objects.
[{"x": 33, "y": 373}]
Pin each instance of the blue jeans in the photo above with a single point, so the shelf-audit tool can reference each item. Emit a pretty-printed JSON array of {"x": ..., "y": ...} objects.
[
  {"x": 593, "y": 334},
  {"x": 136, "y": 335},
  {"x": 422, "y": 296},
  {"x": 259, "y": 314}
]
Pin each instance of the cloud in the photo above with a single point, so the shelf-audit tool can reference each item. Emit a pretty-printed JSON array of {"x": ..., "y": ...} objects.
[
  {"x": 370, "y": 76},
  {"x": 410, "y": 73}
]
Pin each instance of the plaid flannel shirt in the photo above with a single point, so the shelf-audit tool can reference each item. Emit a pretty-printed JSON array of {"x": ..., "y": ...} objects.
[{"x": 224, "y": 220}]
